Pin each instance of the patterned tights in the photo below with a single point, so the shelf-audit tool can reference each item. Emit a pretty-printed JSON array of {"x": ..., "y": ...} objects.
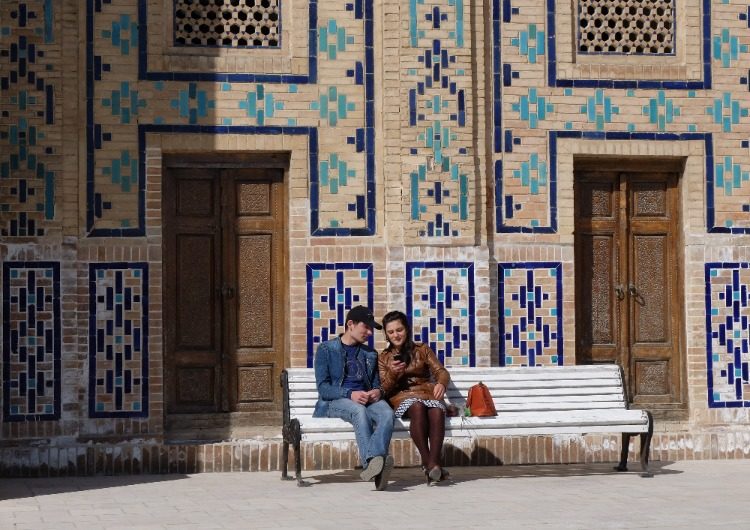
[{"x": 427, "y": 429}]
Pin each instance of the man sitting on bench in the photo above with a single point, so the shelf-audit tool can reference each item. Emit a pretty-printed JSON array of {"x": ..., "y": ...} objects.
[{"x": 346, "y": 375}]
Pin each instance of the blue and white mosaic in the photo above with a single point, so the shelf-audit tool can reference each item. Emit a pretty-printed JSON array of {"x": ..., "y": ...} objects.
[
  {"x": 728, "y": 334},
  {"x": 333, "y": 289},
  {"x": 439, "y": 191},
  {"x": 544, "y": 99},
  {"x": 339, "y": 47},
  {"x": 31, "y": 341},
  {"x": 28, "y": 79},
  {"x": 440, "y": 302},
  {"x": 530, "y": 305},
  {"x": 118, "y": 340}
]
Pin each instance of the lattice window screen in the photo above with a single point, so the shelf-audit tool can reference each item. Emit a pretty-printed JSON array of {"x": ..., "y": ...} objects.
[
  {"x": 636, "y": 27},
  {"x": 232, "y": 23}
]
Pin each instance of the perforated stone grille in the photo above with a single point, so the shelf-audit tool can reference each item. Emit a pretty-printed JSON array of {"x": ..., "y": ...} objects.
[
  {"x": 636, "y": 27},
  {"x": 233, "y": 23}
]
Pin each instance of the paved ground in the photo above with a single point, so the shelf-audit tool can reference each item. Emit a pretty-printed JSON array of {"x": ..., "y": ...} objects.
[{"x": 691, "y": 494}]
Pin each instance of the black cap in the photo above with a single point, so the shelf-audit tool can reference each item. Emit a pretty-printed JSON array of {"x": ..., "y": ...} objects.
[{"x": 361, "y": 313}]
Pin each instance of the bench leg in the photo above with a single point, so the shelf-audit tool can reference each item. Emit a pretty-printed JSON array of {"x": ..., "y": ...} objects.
[
  {"x": 295, "y": 437},
  {"x": 623, "y": 465},
  {"x": 646, "y": 446},
  {"x": 292, "y": 435},
  {"x": 284, "y": 460},
  {"x": 298, "y": 465}
]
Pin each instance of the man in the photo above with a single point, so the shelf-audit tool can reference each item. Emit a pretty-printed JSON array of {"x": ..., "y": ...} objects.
[{"x": 346, "y": 374}]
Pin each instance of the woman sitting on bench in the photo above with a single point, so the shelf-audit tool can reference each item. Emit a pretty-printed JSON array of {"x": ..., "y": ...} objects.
[{"x": 414, "y": 383}]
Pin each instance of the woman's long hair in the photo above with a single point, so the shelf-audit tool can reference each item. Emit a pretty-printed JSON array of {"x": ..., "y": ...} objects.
[{"x": 408, "y": 345}]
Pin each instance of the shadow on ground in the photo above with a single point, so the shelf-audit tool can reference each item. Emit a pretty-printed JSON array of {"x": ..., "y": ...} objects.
[
  {"x": 409, "y": 477},
  {"x": 20, "y": 488}
]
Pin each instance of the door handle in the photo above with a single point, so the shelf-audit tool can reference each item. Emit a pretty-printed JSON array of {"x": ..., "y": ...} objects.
[
  {"x": 637, "y": 297},
  {"x": 227, "y": 292},
  {"x": 620, "y": 290}
]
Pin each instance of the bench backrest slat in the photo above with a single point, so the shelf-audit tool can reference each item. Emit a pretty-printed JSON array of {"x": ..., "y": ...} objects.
[{"x": 514, "y": 389}]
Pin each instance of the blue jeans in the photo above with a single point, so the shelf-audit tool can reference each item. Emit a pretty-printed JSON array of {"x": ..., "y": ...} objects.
[{"x": 373, "y": 425}]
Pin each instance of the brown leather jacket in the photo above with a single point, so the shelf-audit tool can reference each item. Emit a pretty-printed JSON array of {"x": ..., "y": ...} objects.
[{"x": 418, "y": 381}]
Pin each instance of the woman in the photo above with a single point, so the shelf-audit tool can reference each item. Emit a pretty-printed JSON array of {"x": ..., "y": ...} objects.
[{"x": 414, "y": 382}]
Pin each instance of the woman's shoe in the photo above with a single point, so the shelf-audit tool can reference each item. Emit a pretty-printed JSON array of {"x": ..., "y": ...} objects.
[{"x": 436, "y": 474}]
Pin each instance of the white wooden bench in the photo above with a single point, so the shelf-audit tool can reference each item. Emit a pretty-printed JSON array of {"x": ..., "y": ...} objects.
[{"x": 529, "y": 401}]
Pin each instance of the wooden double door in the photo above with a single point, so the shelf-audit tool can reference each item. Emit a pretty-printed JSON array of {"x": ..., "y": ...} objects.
[
  {"x": 224, "y": 243},
  {"x": 628, "y": 278}
]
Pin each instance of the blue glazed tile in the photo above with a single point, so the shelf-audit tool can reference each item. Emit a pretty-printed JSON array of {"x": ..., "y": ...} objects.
[{"x": 347, "y": 289}]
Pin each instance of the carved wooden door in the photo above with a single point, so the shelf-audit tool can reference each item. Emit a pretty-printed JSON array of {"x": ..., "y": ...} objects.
[
  {"x": 255, "y": 270},
  {"x": 224, "y": 291},
  {"x": 628, "y": 284}
]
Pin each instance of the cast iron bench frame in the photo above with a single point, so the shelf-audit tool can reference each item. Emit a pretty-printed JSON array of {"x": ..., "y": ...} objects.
[{"x": 577, "y": 399}]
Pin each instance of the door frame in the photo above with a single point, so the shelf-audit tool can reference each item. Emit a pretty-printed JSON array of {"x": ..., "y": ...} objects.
[
  {"x": 220, "y": 161},
  {"x": 670, "y": 411}
]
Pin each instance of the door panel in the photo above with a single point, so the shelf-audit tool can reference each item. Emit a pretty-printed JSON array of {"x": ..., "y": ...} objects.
[
  {"x": 254, "y": 304},
  {"x": 224, "y": 286},
  {"x": 195, "y": 290},
  {"x": 193, "y": 313},
  {"x": 654, "y": 274},
  {"x": 628, "y": 279},
  {"x": 652, "y": 284},
  {"x": 597, "y": 252},
  {"x": 650, "y": 198},
  {"x": 603, "y": 306},
  {"x": 255, "y": 319}
]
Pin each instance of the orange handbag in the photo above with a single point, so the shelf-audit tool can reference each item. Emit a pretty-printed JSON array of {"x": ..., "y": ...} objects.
[{"x": 480, "y": 401}]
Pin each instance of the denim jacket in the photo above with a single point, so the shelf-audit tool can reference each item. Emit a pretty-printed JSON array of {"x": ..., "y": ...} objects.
[{"x": 329, "y": 363}]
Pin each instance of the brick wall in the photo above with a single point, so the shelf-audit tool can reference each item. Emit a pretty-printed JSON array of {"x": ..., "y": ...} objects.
[{"x": 431, "y": 143}]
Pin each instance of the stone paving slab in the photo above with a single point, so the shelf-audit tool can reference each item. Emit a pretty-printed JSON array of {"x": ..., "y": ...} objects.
[{"x": 687, "y": 494}]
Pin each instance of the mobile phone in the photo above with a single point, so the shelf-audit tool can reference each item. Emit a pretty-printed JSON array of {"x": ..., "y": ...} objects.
[{"x": 401, "y": 357}]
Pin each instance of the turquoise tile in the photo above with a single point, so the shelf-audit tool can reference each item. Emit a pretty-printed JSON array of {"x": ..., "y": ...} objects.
[
  {"x": 459, "y": 23},
  {"x": 322, "y": 38},
  {"x": 464, "y": 198},
  {"x": 414, "y": 197},
  {"x": 413, "y": 22},
  {"x": 324, "y": 172},
  {"x": 342, "y": 172},
  {"x": 717, "y": 48}
]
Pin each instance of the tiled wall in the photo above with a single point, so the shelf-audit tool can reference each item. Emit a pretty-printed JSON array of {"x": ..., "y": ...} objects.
[
  {"x": 30, "y": 137},
  {"x": 118, "y": 340},
  {"x": 333, "y": 289},
  {"x": 432, "y": 147},
  {"x": 530, "y": 308},
  {"x": 727, "y": 341},
  {"x": 440, "y": 301},
  {"x": 31, "y": 341}
]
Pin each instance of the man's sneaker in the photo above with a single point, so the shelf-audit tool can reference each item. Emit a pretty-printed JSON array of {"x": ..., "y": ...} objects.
[
  {"x": 381, "y": 481},
  {"x": 373, "y": 469}
]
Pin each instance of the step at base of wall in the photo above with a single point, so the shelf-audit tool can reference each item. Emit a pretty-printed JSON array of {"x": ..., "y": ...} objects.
[{"x": 148, "y": 457}]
